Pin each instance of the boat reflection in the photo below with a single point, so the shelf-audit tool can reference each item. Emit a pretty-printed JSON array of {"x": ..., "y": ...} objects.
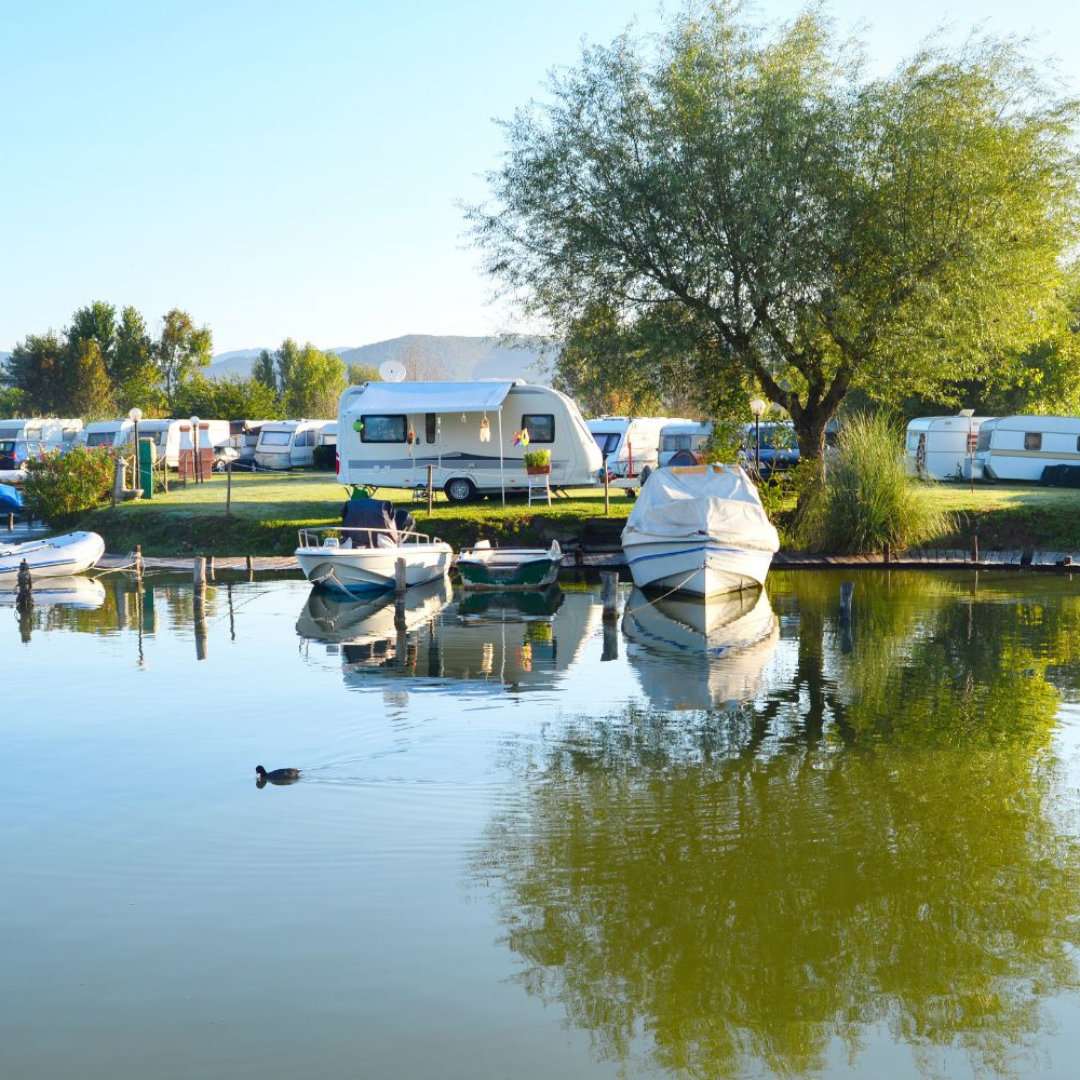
[
  {"x": 84, "y": 593},
  {"x": 492, "y": 641},
  {"x": 700, "y": 654}
]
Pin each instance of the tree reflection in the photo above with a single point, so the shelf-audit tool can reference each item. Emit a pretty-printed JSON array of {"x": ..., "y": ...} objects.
[{"x": 880, "y": 846}]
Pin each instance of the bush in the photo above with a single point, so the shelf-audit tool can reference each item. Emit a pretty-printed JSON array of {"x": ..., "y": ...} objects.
[
  {"x": 60, "y": 487},
  {"x": 867, "y": 499},
  {"x": 324, "y": 459},
  {"x": 537, "y": 459}
]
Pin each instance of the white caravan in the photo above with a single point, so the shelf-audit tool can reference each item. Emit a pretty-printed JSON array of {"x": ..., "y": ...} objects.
[
  {"x": 682, "y": 435},
  {"x": 942, "y": 447},
  {"x": 630, "y": 443},
  {"x": 288, "y": 444},
  {"x": 51, "y": 432},
  {"x": 244, "y": 438},
  {"x": 469, "y": 433},
  {"x": 111, "y": 433},
  {"x": 1020, "y": 447}
]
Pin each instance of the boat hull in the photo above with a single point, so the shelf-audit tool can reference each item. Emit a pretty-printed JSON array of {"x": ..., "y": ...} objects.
[
  {"x": 355, "y": 571},
  {"x": 696, "y": 567},
  {"x": 57, "y": 556},
  {"x": 508, "y": 569}
]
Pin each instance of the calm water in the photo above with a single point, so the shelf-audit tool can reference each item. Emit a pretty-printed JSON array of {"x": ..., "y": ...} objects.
[{"x": 744, "y": 841}]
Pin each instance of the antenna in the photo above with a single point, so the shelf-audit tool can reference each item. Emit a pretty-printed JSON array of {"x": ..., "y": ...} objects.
[{"x": 392, "y": 371}]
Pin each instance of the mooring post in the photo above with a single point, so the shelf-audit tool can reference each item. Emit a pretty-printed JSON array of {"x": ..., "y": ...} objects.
[
  {"x": 430, "y": 489},
  {"x": 11, "y": 523},
  {"x": 25, "y": 587},
  {"x": 847, "y": 590},
  {"x": 210, "y": 568},
  {"x": 138, "y": 562},
  {"x": 399, "y": 595},
  {"x": 609, "y": 594},
  {"x": 975, "y": 548},
  {"x": 887, "y": 553},
  {"x": 250, "y": 568},
  {"x": 199, "y": 573}
]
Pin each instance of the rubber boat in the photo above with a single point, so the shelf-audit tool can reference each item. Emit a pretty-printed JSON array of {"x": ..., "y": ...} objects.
[
  {"x": 57, "y": 556},
  {"x": 361, "y": 556},
  {"x": 699, "y": 530},
  {"x": 503, "y": 569}
]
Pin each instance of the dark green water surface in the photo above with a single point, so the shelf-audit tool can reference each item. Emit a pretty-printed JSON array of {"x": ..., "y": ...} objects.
[{"x": 741, "y": 841}]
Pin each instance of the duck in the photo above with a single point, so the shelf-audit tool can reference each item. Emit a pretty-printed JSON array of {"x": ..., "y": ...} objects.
[{"x": 277, "y": 776}]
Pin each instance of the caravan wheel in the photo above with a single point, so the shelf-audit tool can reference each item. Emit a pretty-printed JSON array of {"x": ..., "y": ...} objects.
[{"x": 460, "y": 490}]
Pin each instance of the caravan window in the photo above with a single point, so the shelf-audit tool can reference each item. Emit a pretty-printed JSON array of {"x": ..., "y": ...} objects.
[
  {"x": 430, "y": 426},
  {"x": 276, "y": 438},
  {"x": 384, "y": 429},
  {"x": 1032, "y": 440},
  {"x": 677, "y": 442},
  {"x": 541, "y": 426},
  {"x": 99, "y": 438},
  {"x": 608, "y": 441}
]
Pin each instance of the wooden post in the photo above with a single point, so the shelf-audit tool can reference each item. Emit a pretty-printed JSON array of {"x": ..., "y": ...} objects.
[
  {"x": 250, "y": 568},
  {"x": 975, "y": 548},
  {"x": 847, "y": 590},
  {"x": 138, "y": 563},
  {"x": 430, "y": 489},
  {"x": 25, "y": 595},
  {"x": 228, "y": 488},
  {"x": 607, "y": 490},
  {"x": 210, "y": 568},
  {"x": 609, "y": 594},
  {"x": 611, "y": 641},
  {"x": 399, "y": 577},
  {"x": 199, "y": 576},
  {"x": 11, "y": 523},
  {"x": 399, "y": 602},
  {"x": 887, "y": 554}
]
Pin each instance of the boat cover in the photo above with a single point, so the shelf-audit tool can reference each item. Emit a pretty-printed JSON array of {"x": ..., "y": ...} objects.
[
  {"x": 718, "y": 501},
  {"x": 375, "y": 514},
  {"x": 429, "y": 397},
  {"x": 10, "y": 498}
]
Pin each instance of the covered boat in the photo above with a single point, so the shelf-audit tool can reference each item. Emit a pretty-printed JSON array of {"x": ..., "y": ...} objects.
[
  {"x": 699, "y": 530},
  {"x": 362, "y": 555},
  {"x": 500, "y": 569},
  {"x": 11, "y": 499},
  {"x": 71, "y": 553}
]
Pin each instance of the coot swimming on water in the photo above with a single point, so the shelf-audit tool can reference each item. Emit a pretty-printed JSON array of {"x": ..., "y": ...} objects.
[{"x": 278, "y": 776}]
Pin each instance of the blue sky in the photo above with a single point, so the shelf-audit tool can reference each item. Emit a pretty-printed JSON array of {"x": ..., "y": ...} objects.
[{"x": 286, "y": 169}]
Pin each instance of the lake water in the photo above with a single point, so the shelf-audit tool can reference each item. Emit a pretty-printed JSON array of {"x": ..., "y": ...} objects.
[{"x": 742, "y": 841}]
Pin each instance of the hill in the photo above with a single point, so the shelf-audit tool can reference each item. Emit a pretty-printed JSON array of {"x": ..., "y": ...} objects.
[{"x": 425, "y": 356}]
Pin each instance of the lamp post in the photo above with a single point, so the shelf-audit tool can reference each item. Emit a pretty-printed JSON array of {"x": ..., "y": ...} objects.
[
  {"x": 135, "y": 415},
  {"x": 757, "y": 407},
  {"x": 195, "y": 448}
]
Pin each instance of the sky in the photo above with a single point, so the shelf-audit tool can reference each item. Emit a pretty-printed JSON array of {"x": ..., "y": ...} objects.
[{"x": 280, "y": 169}]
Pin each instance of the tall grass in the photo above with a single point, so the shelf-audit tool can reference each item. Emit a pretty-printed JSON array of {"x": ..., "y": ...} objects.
[{"x": 866, "y": 499}]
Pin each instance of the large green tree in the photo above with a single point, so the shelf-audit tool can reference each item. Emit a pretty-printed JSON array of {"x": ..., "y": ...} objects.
[
  {"x": 307, "y": 380},
  {"x": 181, "y": 349},
  {"x": 231, "y": 398},
  {"x": 810, "y": 228}
]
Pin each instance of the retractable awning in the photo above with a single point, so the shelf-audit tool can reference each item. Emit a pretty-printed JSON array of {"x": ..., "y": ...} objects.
[{"x": 430, "y": 397}]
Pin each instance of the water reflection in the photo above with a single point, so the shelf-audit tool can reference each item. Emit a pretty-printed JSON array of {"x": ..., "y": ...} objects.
[
  {"x": 880, "y": 849},
  {"x": 696, "y": 654}
]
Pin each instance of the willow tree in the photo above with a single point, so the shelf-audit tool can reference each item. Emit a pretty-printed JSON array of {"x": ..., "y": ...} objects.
[{"x": 808, "y": 227}]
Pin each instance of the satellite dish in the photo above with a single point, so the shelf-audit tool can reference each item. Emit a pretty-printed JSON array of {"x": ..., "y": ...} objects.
[{"x": 392, "y": 371}]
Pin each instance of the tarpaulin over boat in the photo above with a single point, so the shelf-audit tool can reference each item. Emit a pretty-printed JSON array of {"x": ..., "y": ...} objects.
[
  {"x": 717, "y": 501},
  {"x": 429, "y": 397}
]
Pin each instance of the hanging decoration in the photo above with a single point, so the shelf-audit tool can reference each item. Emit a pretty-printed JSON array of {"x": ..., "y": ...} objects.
[
  {"x": 521, "y": 438},
  {"x": 464, "y": 419},
  {"x": 485, "y": 430},
  {"x": 411, "y": 437},
  {"x": 358, "y": 425}
]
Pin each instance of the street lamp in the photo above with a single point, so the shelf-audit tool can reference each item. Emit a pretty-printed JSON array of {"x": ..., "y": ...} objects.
[
  {"x": 195, "y": 448},
  {"x": 135, "y": 415},
  {"x": 758, "y": 408}
]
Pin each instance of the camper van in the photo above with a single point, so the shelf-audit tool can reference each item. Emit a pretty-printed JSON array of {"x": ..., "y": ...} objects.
[
  {"x": 682, "y": 435},
  {"x": 629, "y": 444},
  {"x": 473, "y": 435},
  {"x": 941, "y": 447},
  {"x": 1020, "y": 447},
  {"x": 288, "y": 444}
]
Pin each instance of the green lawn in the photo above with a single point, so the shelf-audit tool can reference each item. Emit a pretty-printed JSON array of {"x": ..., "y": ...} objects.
[{"x": 268, "y": 509}]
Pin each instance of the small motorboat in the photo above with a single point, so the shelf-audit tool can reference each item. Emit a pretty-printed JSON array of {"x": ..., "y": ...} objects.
[
  {"x": 361, "y": 555},
  {"x": 504, "y": 569},
  {"x": 57, "y": 556},
  {"x": 699, "y": 530}
]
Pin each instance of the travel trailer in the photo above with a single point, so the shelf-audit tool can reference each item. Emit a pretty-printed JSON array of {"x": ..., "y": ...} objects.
[
  {"x": 682, "y": 435},
  {"x": 630, "y": 444},
  {"x": 473, "y": 435},
  {"x": 111, "y": 433},
  {"x": 243, "y": 438},
  {"x": 1020, "y": 447},
  {"x": 52, "y": 433},
  {"x": 942, "y": 447},
  {"x": 288, "y": 444}
]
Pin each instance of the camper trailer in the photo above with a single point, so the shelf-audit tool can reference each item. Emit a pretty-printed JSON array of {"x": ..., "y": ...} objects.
[
  {"x": 629, "y": 444},
  {"x": 50, "y": 432},
  {"x": 682, "y": 435},
  {"x": 1020, "y": 447},
  {"x": 243, "y": 438},
  {"x": 288, "y": 444},
  {"x": 941, "y": 447},
  {"x": 473, "y": 435},
  {"x": 111, "y": 433}
]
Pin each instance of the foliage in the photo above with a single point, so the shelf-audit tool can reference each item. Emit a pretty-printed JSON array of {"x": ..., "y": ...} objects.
[
  {"x": 809, "y": 229},
  {"x": 86, "y": 388},
  {"x": 324, "y": 459},
  {"x": 180, "y": 351},
  {"x": 61, "y": 486},
  {"x": 307, "y": 381},
  {"x": 537, "y": 458},
  {"x": 230, "y": 398},
  {"x": 867, "y": 499},
  {"x": 13, "y": 402},
  {"x": 359, "y": 374}
]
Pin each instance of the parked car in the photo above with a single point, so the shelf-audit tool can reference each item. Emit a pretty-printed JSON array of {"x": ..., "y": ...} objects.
[{"x": 15, "y": 452}]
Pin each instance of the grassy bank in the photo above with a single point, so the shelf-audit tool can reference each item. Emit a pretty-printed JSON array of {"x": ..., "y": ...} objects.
[{"x": 266, "y": 511}]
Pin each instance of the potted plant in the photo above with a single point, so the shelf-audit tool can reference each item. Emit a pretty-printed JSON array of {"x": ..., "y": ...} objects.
[{"x": 537, "y": 462}]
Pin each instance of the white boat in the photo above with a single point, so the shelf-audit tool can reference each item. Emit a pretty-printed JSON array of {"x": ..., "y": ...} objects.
[
  {"x": 504, "y": 569},
  {"x": 57, "y": 556},
  {"x": 699, "y": 530},
  {"x": 361, "y": 556}
]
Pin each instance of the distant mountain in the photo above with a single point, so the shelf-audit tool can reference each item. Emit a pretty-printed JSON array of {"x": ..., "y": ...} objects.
[{"x": 425, "y": 356}]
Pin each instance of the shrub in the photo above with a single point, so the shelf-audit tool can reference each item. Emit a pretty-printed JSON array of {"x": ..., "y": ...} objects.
[
  {"x": 60, "y": 487},
  {"x": 867, "y": 499},
  {"x": 537, "y": 458},
  {"x": 324, "y": 459}
]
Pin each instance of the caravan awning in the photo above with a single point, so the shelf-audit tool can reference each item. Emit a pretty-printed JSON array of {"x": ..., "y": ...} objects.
[{"x": 430, "y": 397}]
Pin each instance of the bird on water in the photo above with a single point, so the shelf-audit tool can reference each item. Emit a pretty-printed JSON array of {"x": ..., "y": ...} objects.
[{"x": 277, "y": 776}]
